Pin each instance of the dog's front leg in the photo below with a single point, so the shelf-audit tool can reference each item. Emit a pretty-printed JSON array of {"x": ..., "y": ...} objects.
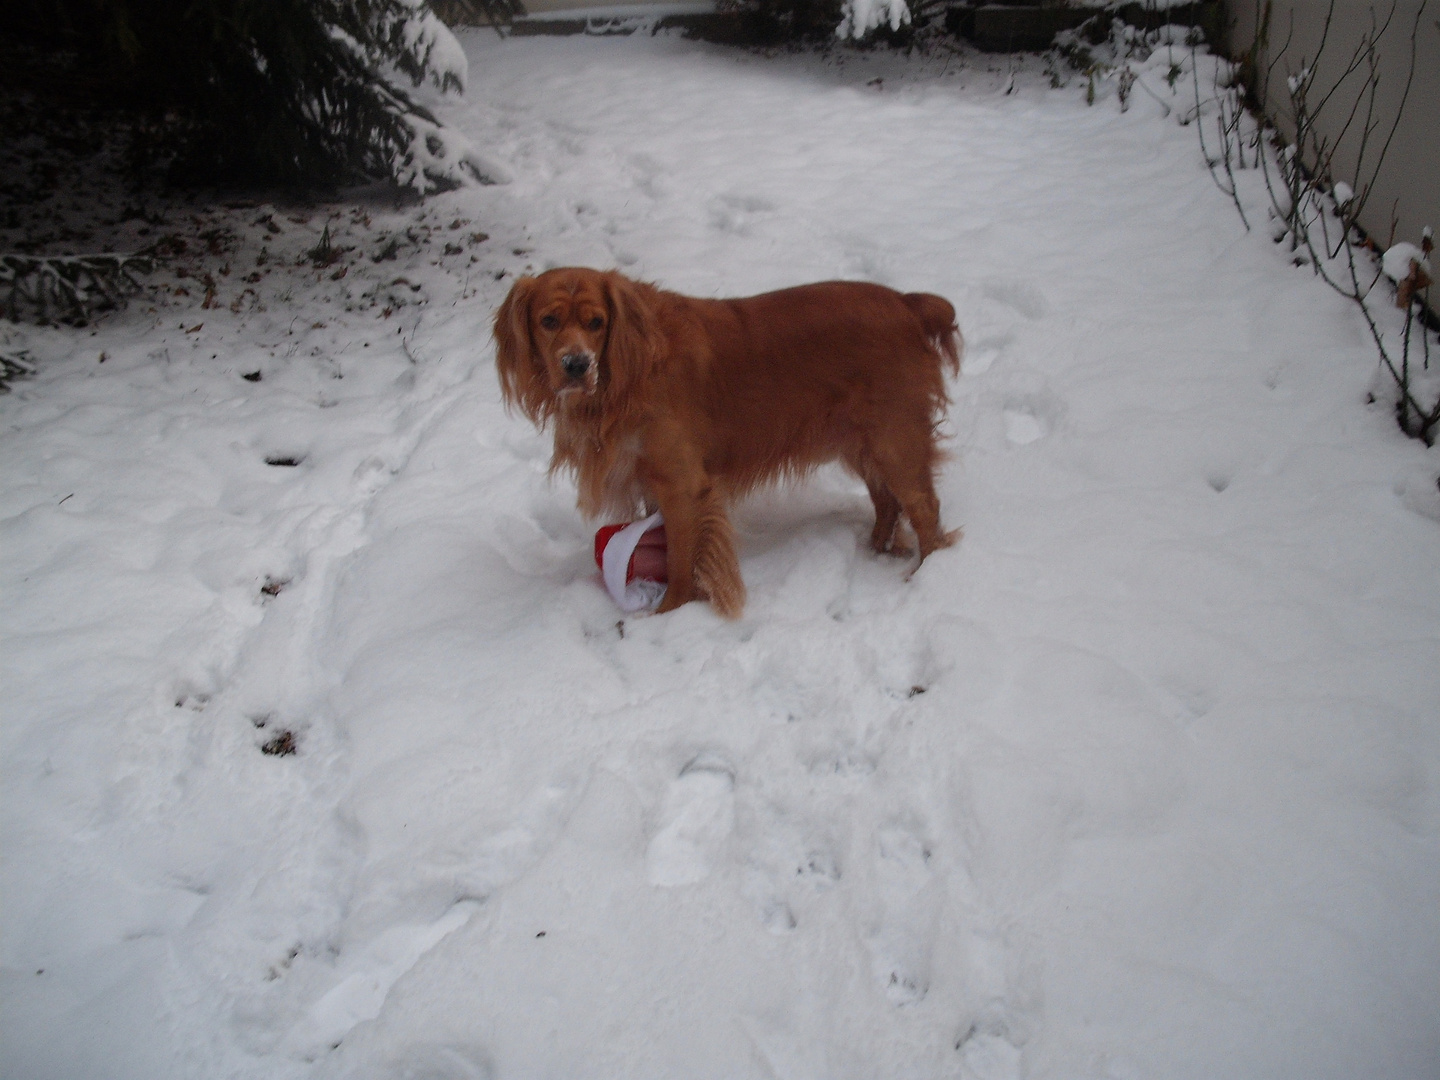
[
  {"x": 678, "y": 504},
  {"x": 672, "y": 476},
  {"x": 703, "y": 558},
  {"x": 699, "y": 545}
]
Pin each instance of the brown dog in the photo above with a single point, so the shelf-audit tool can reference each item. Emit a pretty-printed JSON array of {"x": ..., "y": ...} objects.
[{"x": 665, "y": 401}]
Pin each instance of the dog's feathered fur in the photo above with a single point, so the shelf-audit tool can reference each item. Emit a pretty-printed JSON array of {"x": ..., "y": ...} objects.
[{"x": 666, "y": 401}]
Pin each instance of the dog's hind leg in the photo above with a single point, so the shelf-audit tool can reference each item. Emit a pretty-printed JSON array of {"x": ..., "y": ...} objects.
[
  {"x": 923, "y": 509},
  {"x": 883, "y": 538},
  {"x": 909, "y": 475}
]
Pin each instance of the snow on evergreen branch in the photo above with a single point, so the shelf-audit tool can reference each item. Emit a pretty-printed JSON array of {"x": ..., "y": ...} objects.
[
  {"x": 66, "y": 288},
  {"x": 404, "y": 37},
  {"x": 14, "y": 364}
]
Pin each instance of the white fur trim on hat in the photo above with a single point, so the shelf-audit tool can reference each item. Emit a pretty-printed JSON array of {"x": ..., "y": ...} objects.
[{"x": 615, "y": 561}]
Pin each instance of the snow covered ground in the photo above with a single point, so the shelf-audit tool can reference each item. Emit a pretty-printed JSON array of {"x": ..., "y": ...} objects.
[{"x": 326, "y": 755}]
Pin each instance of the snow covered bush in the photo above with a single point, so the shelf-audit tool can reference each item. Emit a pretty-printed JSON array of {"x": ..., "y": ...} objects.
[
  {"x": 859, "y": 17},
  {"x": 1110, "y": 51},
  {"x": 297, "y": 92},
  {"x": 822, "y": 21}
]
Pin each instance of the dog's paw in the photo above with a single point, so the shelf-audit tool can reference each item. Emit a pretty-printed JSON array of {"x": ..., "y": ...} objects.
[
  {"x": 900, "y": 548},
  {"x": 896, "y": 542}
]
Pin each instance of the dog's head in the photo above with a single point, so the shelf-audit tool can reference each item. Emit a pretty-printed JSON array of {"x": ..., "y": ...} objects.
[{"x": 571, "y": 332}]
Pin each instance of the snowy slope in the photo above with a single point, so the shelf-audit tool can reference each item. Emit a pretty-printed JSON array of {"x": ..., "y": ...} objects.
[{"x": 1142, "y": 779}]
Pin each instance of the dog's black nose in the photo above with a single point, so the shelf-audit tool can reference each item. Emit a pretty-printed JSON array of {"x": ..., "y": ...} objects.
[{"x": 575, "y": 364}]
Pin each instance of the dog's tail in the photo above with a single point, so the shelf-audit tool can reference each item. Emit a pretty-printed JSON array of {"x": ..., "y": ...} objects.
[{"x": 937, "y": 316}]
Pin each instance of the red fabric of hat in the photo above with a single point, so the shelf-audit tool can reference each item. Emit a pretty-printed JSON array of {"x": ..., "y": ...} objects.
[
  {"x": 605, "y": 534},
  {"x": 602, "y": 537}
]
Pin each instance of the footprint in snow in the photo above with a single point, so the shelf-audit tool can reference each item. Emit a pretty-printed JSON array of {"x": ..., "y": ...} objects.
[
  {"x": 697, "y": 817},
  {"x": 775, "y": 912},
  {"x": 988, "y": 1049},
  {"x": 980, "y": 355},
  {"x": 902, "y": 943},
  {"x": 1030, "y": 417},
  {"x": 424, "y": 1062},
  {"x": 1023, "y": 427},
  {"x": 367, "y": 976},
  {"x": 736, "y": 213},
  {"x": 648, "y": 175},
  {"x": 863, "y": 259},
  {"x": 1018, "y": 296}
]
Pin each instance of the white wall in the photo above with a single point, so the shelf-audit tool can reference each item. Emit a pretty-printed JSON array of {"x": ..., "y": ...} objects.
[{"x": 1407, "y": 188}]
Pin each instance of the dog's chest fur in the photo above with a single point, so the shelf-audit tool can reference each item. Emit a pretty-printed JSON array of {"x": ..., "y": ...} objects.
[{"x": 605, "y": 463}]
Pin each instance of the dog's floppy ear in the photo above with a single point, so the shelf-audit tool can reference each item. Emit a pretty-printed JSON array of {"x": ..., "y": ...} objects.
[
  {"x": 522, "y": 374},
  {"x": 632, "y": 348}
]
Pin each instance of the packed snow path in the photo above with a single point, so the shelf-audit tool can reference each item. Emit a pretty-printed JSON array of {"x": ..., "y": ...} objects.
[{"x": 1142, "y": 779}]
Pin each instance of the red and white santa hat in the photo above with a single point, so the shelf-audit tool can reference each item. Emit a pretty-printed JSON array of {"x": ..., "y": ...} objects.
[{"x": 615, "y": 555}]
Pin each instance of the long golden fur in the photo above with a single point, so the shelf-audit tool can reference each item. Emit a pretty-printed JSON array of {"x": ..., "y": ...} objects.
[{"x": 666, "y": 401}]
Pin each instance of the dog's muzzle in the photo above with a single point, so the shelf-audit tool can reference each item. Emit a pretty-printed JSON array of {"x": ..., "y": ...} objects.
[{"x": 575, "y": 365}]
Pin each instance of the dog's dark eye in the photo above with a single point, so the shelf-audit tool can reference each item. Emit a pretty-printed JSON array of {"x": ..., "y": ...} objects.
[
  {"x": 550, "y": 322},
  {"x": 596, "y": 323}
]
